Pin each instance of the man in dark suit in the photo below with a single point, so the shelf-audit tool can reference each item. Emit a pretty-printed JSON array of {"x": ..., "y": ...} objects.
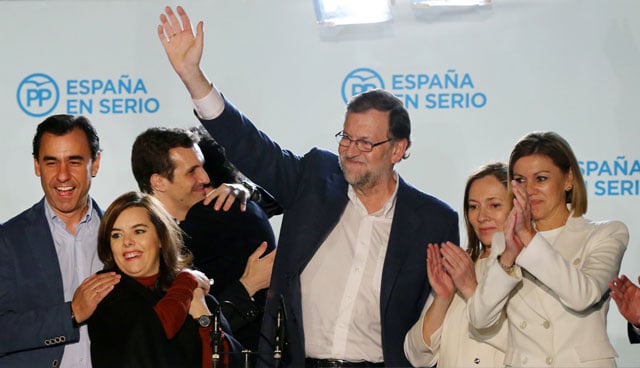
[
  {"x": 48, "y": 254},
  {"x": 627, "y": 297},
  {"x": 350, "y": 271},
  {"x": 227, "y": 245}
]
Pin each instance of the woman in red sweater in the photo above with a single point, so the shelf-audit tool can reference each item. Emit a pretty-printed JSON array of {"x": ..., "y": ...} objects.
[{"x": 159, "y": 315}]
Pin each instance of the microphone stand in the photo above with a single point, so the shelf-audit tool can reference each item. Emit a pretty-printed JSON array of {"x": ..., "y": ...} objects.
[
  {"x": 215, "y": 338},
  {"x": 279, "y": 345},
  {"x": 279, "y": 340}
]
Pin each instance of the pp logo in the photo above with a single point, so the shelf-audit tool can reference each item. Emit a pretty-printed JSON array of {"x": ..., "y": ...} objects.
[
  {"x": 360, "y": 80},
  {"x": 38, "y": 95}
]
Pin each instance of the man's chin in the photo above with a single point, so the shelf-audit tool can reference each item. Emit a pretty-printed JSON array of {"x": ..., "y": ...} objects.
[{"x": 360, "y": 181}]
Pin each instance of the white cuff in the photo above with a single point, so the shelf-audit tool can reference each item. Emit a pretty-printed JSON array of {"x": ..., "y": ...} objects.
[{"x": 210, "y": 106}]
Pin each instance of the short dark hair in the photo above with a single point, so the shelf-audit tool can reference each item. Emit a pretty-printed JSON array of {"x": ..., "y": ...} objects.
[
  {"x": 219, "y": 169},
  {"x": 62, "y": 124},
  {"x": 381, "y": 100},
  {"x": 150, "y": 153},
  {"x": 173, "y": 254},
  {"x": 557, "y": 149},
  {"x": 497, "y": 170}
]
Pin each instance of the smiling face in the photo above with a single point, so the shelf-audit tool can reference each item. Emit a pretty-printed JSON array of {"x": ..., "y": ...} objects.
[
  {"x": 187, "y": 186},
  {"x": 365, "y": 170},
  {"x": 488, "y": 205},
  {"x": 545, "y": 185},
  {"x": 135, "y": 244},
  {"x": 65, "y": 168}
]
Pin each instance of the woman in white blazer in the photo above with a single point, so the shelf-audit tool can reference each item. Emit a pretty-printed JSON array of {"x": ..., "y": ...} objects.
[
  {"x": 443, "y": 335},
  {"x": 550, "y": 268}
]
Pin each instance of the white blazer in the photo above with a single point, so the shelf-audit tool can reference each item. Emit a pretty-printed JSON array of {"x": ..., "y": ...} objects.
[
  {"x": 557, "y": 297},
  {"x": 456, "y": 343}
]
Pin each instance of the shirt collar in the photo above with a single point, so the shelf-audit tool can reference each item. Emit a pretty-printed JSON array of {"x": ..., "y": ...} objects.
[
  {"x": 386, "y": 210},
  {"x": 50, "y": 213}
]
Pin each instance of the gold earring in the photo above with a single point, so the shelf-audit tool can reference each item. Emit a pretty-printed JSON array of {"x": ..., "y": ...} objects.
[{"x": 568, "y": 189}]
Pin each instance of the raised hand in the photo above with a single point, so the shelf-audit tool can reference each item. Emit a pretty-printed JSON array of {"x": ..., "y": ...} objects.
[{"x": 184, "y": 49}]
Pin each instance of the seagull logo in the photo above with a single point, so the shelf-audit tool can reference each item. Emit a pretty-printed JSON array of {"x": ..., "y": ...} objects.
[
  {"x": 38, "y": 95},
  {"x": 360, "y": 80}
]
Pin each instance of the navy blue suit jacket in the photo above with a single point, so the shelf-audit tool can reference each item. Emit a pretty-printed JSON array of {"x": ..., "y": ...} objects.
[
  {"x": 35, "y": 321},
  {"x": 221, "y": 243},
  {"x": 313, "y": 193},
  {"x": 634, "y": 337}
]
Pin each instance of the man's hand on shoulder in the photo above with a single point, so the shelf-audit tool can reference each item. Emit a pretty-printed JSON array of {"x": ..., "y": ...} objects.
[
  {"x": 226, "y": 194},
  {"x": 90, "y": 293}
]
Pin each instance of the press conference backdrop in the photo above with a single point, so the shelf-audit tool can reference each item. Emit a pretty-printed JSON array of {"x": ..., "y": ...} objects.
[{"x": 474, "y": 81}]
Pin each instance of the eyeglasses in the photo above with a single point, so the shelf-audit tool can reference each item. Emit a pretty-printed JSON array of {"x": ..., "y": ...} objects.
[{"x": 362, "y": 145}]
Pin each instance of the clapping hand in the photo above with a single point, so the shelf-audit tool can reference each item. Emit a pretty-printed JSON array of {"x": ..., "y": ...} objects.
[
  {"x": 627, "y": 298},
  {"x": 460, "y": 268},
  {"x": 440, "y": 280}
]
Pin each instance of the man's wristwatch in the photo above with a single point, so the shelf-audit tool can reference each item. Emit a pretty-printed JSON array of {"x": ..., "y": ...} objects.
[
  {"x": 205, "y": 320},
  {"x": 254, "y": 193}
]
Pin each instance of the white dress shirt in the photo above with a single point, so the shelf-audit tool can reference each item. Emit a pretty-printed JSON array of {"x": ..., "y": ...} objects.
[{"x": 341, "y": 286}]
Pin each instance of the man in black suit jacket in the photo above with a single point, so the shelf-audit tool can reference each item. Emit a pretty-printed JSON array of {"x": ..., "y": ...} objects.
[
  {"x": 627, "y": 297},
  {"x": 227, "y": 245},
  {"x": 350, "y": 272},
  {"x": 48, "y": 254}
]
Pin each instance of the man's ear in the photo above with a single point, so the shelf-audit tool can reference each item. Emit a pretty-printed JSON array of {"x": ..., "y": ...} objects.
[
  {"x": 399, "y": 149},
  {"x": 95, "y": 165},
  {"x": 158, "y": 182},
  {"x": 36, "y": 167}
]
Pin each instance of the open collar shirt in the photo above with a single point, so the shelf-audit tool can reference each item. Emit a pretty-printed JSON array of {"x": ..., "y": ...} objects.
[
  {"x": 341, "y": 285},
  {"x": 78, "y": 258}
]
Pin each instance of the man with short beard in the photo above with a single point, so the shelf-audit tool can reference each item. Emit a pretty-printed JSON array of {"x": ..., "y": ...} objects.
[{"x": 350, "y": 269}]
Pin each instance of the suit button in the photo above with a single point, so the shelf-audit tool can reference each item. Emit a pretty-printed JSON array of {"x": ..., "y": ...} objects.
[
  {"x": 54, "y": 364},
  {"x": 476, "y": 361},
  {"x": 549, "y": 360},
  {"x": 523, "y": 325},
  {"x": 546, "y": 324},
  {"x": 576, "y": 261}
]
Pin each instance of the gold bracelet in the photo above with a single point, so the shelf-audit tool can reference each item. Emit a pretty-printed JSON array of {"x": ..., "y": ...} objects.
[{"x": 507, "y": 269}]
